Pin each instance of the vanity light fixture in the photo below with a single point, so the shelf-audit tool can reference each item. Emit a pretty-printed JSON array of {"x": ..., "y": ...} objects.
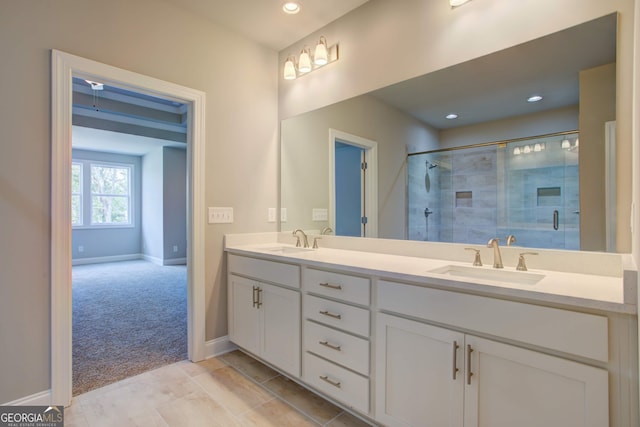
[
  {"x": 534, "y": 98},
  {"x": 456, "y": 3},
  {"x": 451, "y": 116},
  {"x": 290, "y": 68},
  {"x": 305, "y": 63},
  {"x": 321, "y": 55},
  {"x": 291, "y": 7}
]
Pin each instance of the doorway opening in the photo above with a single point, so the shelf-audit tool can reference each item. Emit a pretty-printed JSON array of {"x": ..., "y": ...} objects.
[
  {"x": 64, "y": 68},
  {"x": 129, "y": 233},
  {"x": 353, "y": 186}
]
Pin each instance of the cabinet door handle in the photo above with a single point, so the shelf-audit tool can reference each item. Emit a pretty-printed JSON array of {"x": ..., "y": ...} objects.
[
  {"x": 469, "y": 373},
  {"x": 331, "y": 286},
  {"x": 455, "y": 357},
  {"x": 255, "y": 298},
  {"x": 331, "y": 346},
  {"x": 328, "y": 313},
  {"x": 330, "y": 381},
  {"x": 556, "y": 220},
  {"x": 259, "y": 302}
]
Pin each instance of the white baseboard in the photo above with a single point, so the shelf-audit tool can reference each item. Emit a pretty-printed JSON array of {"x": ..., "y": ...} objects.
[
  {"x": 153, "y": 259},
  {"x": 175, "y": 261},
  {"x": 38, "y": 399},
  {"x": 98, "y": 260},
  {"x": 218, "y": 346}
]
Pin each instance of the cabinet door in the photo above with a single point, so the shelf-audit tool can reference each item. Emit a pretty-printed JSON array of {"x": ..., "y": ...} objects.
[
  {"x": 244, "y": 325},
  {"x": 511, "y": 386},
  {"x": 280, "y": 310},
  {"x": 419, "y": 376}
]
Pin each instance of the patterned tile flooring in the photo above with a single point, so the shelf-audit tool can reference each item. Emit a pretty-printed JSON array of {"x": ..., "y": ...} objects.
[{"x": 230, "y": 390}]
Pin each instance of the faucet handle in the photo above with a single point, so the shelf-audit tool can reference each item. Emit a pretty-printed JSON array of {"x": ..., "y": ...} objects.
[
  {"x": 522, "y": 266},
  {"x": 511, "y": 239},
  {"x": 315, "y": 242},
  {"x": 295, "y": 234},
  {"x": 476, "y": 261}
]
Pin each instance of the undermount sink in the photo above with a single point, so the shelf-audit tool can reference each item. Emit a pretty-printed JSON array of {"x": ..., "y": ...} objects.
[
  {"x": 493, "y": 274},
  {"x": 287, "y": 249}
]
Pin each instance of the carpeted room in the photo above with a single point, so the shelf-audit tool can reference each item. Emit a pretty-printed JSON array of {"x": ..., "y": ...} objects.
[{"x": 128, "y": 317}]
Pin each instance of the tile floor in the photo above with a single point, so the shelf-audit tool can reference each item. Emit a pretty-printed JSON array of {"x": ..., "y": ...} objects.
[{"x": 231, "y": 390}]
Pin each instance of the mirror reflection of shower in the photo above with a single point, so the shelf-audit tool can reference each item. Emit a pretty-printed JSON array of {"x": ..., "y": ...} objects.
[
  {"x": 427, "y": 212},
  {"x": 427, "y": 179}
]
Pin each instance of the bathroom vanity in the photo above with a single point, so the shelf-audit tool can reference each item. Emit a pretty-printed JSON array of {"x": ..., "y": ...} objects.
[{"x": 411, "y": 334}]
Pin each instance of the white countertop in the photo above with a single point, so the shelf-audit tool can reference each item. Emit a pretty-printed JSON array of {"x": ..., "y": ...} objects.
[{"x": 571, "y": 289}]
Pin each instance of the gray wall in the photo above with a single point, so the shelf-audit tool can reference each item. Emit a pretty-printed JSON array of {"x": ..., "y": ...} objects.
[
  {"x": 111, "y": 241},
  {"x": 150, "y": 37},
  {"x": 174, "y": 203}
]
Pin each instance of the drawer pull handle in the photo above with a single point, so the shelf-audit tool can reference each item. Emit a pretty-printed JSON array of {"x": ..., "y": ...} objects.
[
  {"x": 328, "y": 313},
  {"x": 331, "y": 286},
  {"x": 330, "y": 381},
  {"x": 331, "y": 346},
  {"x": 469, "y": 373},
  {"x": 455, "y": 356},
  {"x": 255, "y": 298},
  {"x": 259, "y": 302}
]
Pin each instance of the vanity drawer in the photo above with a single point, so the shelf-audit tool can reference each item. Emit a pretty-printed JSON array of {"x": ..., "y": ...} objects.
[
  {"x": 568, "y": 331},
  {"x": 337, "y": 285},
  {"x": 339, "y": 347},
  {"x": 260, "y": 269},
  {"x": 337, "y": 314},
  {"x": 337, "y": 382}
]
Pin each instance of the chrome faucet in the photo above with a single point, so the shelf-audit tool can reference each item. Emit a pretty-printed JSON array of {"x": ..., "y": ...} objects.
[
  {"x": 497, "y": 258},
  {"x": 306, "y": 241},
  {"x": 326, "y": 230},
  {"x": 511, "y": 239}
]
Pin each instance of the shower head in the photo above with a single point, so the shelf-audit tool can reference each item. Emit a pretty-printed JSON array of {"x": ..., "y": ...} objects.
[{"x": 431, "y": 165}]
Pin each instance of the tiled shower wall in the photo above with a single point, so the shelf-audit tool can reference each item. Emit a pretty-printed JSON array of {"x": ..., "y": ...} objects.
[{"x": 475, "y": 194}]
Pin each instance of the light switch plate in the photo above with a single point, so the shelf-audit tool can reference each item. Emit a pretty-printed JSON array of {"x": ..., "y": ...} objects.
[
  {"x": 271, "y": 215},
  {"x": 318, "y": 214},
  {"x": 220, "y": 215},
  {"x": 283, "y": 214}
]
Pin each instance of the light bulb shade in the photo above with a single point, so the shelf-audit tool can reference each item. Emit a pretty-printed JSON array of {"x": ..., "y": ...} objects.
[
  {"x": 321, "y": 56},
  {"x": 577, "y": 144},
  {"x": 527, "y": 149},
  {"x": 304, "y": 62},
  {"x": 516, "y": 151},
  {"x": 289, "y": 70},
  {"x": 565, "y": 144},
  {"x": 537, "y": 147}
]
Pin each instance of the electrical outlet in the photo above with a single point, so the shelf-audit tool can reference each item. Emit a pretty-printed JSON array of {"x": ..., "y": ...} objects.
[
  {"x": 175, "y": 248},
  {"x": 220, "y": 215},
  {"x": 80, "y": 248},
  {"x": 271, "y": 215}
]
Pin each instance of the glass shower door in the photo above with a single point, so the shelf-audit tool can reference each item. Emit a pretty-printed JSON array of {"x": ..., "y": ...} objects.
[{"x": 540, "y": 192}]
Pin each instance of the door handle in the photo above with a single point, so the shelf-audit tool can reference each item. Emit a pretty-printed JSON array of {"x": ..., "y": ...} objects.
[
  {"x": 469, "y": 373},
  {"x": 556, "y": 219},
  {"x": 255, "y": 299},
  {"x": 455, "y": 356}
]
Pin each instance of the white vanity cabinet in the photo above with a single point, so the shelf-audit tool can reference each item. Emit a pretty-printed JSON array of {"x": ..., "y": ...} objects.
[
  {"x": 336, "y": 329},
  {"x": 264, "y": 318},
  {"x": 434, "y": 376}
]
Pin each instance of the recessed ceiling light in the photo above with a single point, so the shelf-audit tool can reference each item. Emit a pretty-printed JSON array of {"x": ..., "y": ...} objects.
[
  {"x": 291, "y": 7},
  {"x": 534, "y": 98},
  {"x": 451, "y": 116}
]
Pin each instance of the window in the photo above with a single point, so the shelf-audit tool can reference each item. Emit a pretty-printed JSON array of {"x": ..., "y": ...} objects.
[
  {"x": 110, "y": 194},
  {"x": 76, "y": 194},
  {"x": 101, "y": 194}
]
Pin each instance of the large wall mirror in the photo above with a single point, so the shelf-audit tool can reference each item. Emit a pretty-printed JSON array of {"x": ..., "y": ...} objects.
[{"x": 573, "y": 70}]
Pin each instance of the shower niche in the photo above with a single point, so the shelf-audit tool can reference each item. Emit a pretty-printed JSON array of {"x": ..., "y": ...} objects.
[{"x": 526, "y": 187}]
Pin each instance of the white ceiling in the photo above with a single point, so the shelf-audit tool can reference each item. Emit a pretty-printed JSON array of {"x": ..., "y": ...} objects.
[{"x": 264, "y": 21}]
